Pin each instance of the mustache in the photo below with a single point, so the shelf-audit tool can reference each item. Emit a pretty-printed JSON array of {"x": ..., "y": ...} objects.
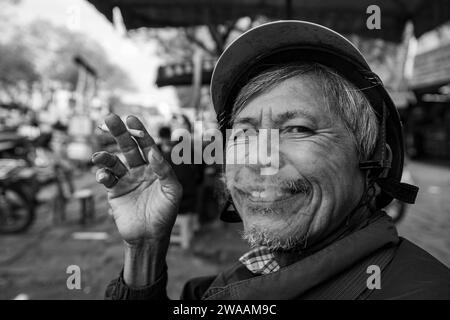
[
  {"x": 293, "y": 185},
  {"x": 299, "y": 185}
]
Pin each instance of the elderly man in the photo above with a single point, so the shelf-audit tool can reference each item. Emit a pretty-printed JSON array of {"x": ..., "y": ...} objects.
[{"x": 315, "y": 225}]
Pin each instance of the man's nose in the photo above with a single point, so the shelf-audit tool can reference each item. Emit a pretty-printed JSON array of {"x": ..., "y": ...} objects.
[{"x": 264, "y": 152}]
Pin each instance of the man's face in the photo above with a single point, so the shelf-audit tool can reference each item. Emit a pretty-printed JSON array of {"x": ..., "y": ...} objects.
[{"x": 318, "y": 181}]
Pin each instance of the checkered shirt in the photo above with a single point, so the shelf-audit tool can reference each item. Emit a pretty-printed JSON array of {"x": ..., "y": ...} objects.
[{"x": 260, "y": 261}]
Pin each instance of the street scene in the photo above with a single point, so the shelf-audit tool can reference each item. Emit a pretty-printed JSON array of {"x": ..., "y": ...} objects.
[
  {"x": 32, "y": 263},
  {"x": 96, "y": 99}
]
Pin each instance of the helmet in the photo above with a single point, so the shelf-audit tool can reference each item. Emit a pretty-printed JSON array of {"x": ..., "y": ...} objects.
[{"x": 293, "y": 41}]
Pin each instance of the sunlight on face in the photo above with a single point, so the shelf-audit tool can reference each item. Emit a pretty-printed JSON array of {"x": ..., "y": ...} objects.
[{"x": 318, "y": 181}]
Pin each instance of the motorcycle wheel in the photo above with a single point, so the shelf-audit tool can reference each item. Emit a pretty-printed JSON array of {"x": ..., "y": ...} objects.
[{"x": 16, "y": 213}]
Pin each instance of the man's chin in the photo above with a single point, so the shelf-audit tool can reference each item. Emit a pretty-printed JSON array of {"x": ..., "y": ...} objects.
[
  {"x": 279, "y": 231},
  {"x": 258, "y": 234}
]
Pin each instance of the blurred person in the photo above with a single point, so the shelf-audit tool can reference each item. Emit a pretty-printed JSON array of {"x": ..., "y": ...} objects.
[
  {"x": 316, "y": 227},
  {"x": 210, "y": 198},
  {"x": 206, "y": 175},
  {"x": 165, "y": 141},
  {"x": 63, "y": 167},
  {"x": 188, "y": 174},
  {"x": 182, "y": 122},
  {"x": 185, "y": 123}
]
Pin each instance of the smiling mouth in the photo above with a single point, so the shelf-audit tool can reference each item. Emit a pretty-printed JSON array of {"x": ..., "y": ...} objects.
[{"x": 268, "y": 195}]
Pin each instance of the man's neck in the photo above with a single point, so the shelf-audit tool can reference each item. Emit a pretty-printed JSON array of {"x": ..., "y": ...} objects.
[{"x": 356, "y": 220}]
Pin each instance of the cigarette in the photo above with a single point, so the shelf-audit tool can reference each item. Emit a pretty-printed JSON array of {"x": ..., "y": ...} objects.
[
  {"x": 133, "y": 132},
  {"x": 136, "y": 133}
]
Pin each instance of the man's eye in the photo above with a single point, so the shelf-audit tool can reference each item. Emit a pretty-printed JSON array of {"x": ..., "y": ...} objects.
[
  {"x": 297, "y": 129},
  {"x": 244, "y": 134}
]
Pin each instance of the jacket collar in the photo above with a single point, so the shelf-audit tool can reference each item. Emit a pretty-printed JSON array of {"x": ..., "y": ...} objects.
[{"x": 293, "y": 280}]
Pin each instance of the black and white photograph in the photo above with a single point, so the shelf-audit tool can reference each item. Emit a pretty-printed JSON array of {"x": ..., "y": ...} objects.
[{"x": 186, "y": 152}]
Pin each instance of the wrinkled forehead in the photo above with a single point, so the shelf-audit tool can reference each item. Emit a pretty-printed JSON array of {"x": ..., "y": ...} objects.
[{"x": 296, "y": 98}]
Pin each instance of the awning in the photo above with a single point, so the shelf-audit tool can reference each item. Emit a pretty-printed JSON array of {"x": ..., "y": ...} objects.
[
  {"x": 431, "y": 70},
  {"x": 344, "y": 16},
  {"x": 178, "y": 74}
]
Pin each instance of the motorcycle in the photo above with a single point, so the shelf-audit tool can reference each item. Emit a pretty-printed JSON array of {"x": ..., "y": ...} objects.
[
  {"x": 17, "y": 201},
  {"x": 25, "y": 168}
]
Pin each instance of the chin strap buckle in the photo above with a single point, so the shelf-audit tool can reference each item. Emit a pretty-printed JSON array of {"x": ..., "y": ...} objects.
[{"x": 401, "y": 191}]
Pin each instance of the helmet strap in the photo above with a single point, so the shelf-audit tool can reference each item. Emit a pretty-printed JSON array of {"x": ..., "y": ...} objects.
[{"x": 381, "y": 161}]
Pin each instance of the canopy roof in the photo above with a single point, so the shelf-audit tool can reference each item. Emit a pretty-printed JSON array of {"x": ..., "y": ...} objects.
[{"x": 343, "y": 16}]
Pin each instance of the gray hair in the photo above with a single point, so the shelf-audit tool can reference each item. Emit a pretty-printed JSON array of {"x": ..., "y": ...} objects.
[{"x": 341, "y": 97}]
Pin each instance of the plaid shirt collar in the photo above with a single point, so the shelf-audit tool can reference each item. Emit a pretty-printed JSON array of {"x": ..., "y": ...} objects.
[{"x": 260, "y": 261}]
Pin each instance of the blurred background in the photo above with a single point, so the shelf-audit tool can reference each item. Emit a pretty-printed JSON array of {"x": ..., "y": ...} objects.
[{"x": 64, "y": 65}]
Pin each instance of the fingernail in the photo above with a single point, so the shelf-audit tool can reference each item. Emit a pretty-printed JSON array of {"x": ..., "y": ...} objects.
[
  {"x": 96, "y": 154},
  {"x": 157, "y": 155},
  {"x": 103, "y": 127}
]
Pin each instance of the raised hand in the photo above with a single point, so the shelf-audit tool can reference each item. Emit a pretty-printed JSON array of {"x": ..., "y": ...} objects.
[{"x": 145, "y": 194}]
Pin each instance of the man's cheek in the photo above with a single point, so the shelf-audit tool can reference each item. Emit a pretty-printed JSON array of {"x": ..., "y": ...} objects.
[
  {"x": 314, "y": 162},
  {"x": 231, "y": 170},
  {"x": 307, "y": 164}
]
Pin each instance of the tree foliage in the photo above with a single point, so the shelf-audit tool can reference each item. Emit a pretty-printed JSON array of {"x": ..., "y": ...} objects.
[
  {"x": 56, "y": 47},
  {"x": 44, "y": 52}
]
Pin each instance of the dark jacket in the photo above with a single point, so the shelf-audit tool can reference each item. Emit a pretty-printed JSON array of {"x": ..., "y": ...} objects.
[{"x": 407, "y": 272}]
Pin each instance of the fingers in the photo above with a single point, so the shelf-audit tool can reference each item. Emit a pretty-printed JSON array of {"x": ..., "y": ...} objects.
[
  {"x": 110, "y": 161},
  {"x": 145, "y": 141},
  {"x": 164, "y": 172},
  {"x": 134, "y": 133},
  {"x": 106, "y": 177},
  {"x": 126, "y": 143}
]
